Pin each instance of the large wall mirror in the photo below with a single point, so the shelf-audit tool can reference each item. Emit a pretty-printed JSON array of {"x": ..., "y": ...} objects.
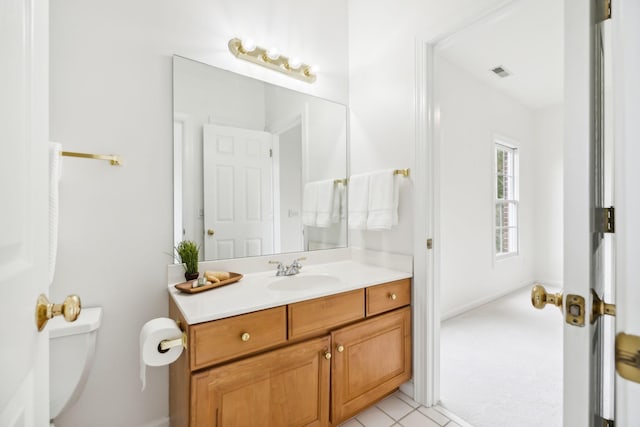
[{"x": 258, "y": 169}]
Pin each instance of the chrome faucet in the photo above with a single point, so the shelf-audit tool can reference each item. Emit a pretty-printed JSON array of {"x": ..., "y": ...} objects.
[{"x": 289, "y": 270}]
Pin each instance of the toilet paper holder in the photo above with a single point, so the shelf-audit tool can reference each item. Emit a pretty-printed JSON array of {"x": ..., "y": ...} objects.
[{"x": 166, "y": 345}]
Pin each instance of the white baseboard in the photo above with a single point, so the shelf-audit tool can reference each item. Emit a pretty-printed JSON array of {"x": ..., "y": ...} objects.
[
  {"x": 161, "y": 422},
  {"x": 482, "y": 301}
]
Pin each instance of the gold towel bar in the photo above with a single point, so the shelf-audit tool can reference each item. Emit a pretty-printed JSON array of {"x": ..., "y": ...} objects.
[
  {"x": 403, "y": 172},
  {"x": 115, "y": 160}
]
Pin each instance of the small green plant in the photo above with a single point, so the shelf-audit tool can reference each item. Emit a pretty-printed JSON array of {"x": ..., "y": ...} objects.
[{"x": 187, "y": 254}]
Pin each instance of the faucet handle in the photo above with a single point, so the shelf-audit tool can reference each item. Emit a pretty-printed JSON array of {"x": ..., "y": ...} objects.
[
  {"x": 296, "y": 263},
  {"x": 281, "y": 267}
]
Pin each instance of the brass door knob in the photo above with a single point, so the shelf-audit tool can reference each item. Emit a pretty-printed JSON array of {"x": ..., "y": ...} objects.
[
  {"x": 340, "y": 348},
  {"x": 211, "y": 232},
  {"x": 46, "y": 310},
  {"x": 393, "y": 296},
  {"x": 327, "y": 355},
  {"x": 245, "y": 337},
  {"x": 540, "y": 298}
]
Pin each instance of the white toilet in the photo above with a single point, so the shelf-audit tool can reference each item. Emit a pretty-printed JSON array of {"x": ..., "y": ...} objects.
[{"x": 71, "y": 349}]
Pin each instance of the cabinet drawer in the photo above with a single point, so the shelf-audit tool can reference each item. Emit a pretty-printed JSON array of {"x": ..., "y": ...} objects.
[
  {"x": 319, "y": 315},
  {"x": 388, "y": 297},
  {"x": 220, "y": 340}
]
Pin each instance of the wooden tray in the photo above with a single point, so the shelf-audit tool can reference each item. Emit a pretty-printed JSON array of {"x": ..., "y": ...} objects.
[{"x": 186, "y": 286}]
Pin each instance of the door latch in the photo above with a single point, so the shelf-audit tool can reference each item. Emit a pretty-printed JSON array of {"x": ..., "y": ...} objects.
[
  {"x": 600, "y": 308},
  {"x": 628, "y": 356}
]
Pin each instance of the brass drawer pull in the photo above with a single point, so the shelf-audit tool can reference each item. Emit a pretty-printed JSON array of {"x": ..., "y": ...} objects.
[{"x": 245, "y": 337}]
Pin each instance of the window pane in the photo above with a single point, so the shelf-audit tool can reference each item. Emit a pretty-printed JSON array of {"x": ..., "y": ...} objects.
[
  {"x": 499, "y": 161},
  {"x": 498, "y": 241},
  {"x": 507, "y": 185},
  {"x": 511, "y": 215},
  {"x": 500, "y": 189}
]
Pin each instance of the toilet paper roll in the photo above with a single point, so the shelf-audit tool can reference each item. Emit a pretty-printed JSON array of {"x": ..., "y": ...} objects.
[{"x": 151, "y": 334}]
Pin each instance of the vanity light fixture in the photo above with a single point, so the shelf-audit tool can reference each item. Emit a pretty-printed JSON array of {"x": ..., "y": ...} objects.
[{"x": 272, "y": 59}]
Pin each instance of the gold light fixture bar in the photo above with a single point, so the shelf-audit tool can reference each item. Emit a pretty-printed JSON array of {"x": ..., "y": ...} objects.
[
  {"x": 280, "y": 63},
  {"x": 115, "y": 160}
]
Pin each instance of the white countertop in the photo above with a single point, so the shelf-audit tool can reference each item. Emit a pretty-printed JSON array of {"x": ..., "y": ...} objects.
[{"x": 261, "y": 290}]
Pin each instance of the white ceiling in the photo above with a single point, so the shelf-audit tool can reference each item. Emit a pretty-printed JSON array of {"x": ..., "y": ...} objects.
[{"x": 526, "y": 38}]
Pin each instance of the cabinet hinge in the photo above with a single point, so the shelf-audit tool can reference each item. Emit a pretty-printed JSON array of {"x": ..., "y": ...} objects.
[
  {"x": 603, "y": 10},
  {"x": 270, "y": 152},
  {"x": 429, "y": 243},
  {"x": 605, "y": 220}
]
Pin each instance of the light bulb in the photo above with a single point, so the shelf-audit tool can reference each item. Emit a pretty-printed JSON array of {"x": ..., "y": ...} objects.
[
  {"x": 248, "y": 45},
  {"x": 273, "y": 54},
  {"x": 295, "y": 63}
]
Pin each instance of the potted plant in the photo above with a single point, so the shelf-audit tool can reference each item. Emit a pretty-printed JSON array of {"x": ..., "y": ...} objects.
[{"x": 187, "y": 254}]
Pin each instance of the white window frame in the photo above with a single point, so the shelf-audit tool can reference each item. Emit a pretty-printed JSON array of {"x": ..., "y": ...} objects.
[{"x": 505, "y": 144}]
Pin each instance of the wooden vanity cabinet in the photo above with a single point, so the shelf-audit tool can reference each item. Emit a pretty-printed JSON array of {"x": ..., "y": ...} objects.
[
  {"x": 370, "y": 359},
  {"x": 324, "y": 361},
  {"x": 284, "y": 387}
]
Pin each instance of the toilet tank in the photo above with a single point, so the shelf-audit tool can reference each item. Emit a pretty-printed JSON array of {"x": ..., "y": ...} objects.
[{"x": 71, "y": 351}]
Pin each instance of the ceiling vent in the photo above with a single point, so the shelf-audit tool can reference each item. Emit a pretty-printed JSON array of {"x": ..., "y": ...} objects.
[{"x": 501, "y": 71}]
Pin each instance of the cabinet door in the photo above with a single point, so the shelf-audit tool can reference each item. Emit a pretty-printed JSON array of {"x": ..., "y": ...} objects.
[
  {"x": 284, "y": 387},
  {"x": 371, "y": 359}
]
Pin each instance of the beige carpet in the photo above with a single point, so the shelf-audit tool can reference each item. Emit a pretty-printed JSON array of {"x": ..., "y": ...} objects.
[{"x": 501, "y": 364}]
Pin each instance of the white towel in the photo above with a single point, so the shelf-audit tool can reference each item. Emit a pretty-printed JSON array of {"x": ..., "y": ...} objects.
[
  {"x": 325, "y": 203},
  {"x": 55, "y": 170},
  {"x": 338, "y": 196},
  {"x": 383, "y": 200},
  {"x": 310, "y": 204},
  {"x": 358, "y": 197}
]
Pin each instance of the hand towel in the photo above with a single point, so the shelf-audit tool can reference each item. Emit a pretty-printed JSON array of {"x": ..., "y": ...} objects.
[
  {"x": 55, "y": 170},
  {"x": 383, "y": 200},
  {"x": 338, "y": 196},
  {"x": 310, "y": 204},
  {"x": 325, "y": 203},
  {"x": 358, "y": 197}
]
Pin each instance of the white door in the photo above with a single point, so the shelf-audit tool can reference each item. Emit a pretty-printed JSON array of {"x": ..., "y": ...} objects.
[
  {"x": 626, "y": 94},
  {"x": 585, "y": 345},
  {"x": 24, "y": 358},
  {"x": 238, "y": 202}
]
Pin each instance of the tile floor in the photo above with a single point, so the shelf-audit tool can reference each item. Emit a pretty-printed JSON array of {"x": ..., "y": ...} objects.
[{"x": 399, "y": 410}]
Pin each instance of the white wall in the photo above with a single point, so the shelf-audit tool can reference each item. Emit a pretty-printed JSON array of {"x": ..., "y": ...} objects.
[
  {"x": 111, "y": 93},
  {"x": 471, "y": 115},
  {"x": 548, "y": 124}
]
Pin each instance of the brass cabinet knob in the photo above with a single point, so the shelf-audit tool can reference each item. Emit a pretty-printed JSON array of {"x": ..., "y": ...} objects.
[
  {"x": 211, "y": 232},
  {"x": 327, "y": 355},
  {"x": 340, "y": 348},
  {"x": 245, "y": 337},
  {"x": 540, "y": 298},
  {"x": 393, "y": 296},
  {"x": 46, "y": 310}
]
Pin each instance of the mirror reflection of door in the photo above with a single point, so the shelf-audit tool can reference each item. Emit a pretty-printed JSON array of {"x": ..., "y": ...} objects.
[
  {"x": 238, "y": 207},
  {"x": 288, "y": 189}
]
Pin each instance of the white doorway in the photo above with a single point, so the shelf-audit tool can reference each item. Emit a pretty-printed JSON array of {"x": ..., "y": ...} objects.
[{"x": 499, "y": 148}]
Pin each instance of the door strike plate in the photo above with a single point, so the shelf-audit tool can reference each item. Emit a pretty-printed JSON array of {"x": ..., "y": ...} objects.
[
  {"x": 628, "y": 356},
  {"x": 574, "y": 310}
]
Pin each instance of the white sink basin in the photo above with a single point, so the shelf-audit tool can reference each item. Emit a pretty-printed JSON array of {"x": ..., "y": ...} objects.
[{"x": 303, "y": 281}]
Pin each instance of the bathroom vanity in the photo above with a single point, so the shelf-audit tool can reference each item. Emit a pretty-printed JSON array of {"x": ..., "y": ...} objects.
[{"x": 312, "y": 349}]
